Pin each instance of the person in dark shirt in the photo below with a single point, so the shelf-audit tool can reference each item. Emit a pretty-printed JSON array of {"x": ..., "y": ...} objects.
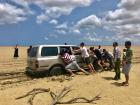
[
  {"x": 16, "y": 52},
  {"x": 28, "y": 50},
  {"x": 98, "y": 58},
  {"x": 108, "y": 57}
]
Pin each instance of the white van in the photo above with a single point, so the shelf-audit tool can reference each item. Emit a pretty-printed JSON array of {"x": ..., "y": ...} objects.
[{"x": 46, "y": 58}]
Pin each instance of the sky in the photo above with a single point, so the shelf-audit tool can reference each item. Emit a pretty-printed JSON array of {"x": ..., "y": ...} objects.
[{"x": 94, "y": 22}]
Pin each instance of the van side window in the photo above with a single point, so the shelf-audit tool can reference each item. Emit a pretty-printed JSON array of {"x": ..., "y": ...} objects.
[{"x": 49, "y": 51}]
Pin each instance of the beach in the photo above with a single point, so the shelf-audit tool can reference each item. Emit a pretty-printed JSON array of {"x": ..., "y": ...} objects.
[{"x": 15, "y": 83}]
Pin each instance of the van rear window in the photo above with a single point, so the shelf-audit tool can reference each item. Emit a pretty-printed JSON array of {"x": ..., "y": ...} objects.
[
  {"x": 49, "y": 51},
  {"x": 33, "y": 52}
]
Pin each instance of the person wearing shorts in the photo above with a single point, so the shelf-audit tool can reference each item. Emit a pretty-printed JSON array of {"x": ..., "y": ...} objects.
[
  {"x": 73, "y": 66},
  {"x": 87, "y": 60},
  {"x": 85, "y": 55},
  {"x": 126, "y": 63},
  {"x": 126, "y": 68},
  {"x": 71, "y": 63}
]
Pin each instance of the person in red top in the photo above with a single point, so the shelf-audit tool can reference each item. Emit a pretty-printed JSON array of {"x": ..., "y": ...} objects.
[{"x": 71, "y": 63}]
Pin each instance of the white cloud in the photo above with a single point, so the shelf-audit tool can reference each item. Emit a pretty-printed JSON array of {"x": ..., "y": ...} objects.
[
  {"x": 131, "y": 5},
  {"x": 76, "y": 31},
  {"x": 57, "y": 8},
  {"x": 62, "y": 26},
  {"x": 11, "y": 14},
  {"x": 41, "y": 18},
  {"x": 14, "y": 11},
  {"x": 91, "y": 21},
  {"x": 24, "y": 4},
  {"x": 51, "y": 9},
  {"x": 91, "y": 38},
  {"x": 61, "y": 32},
  {"x": 54, "y": 22},
  {"x": 124, "y": 21}
]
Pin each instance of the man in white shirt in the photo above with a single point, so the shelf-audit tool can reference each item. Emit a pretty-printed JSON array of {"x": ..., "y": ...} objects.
[
  {"x": 117, "y": 60},
  {"x": 99, "y": 48},
  {"x": 85, "y": 55}
]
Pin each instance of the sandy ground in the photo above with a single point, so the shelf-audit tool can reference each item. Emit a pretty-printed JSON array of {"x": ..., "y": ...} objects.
[{"x": 14, "y": 83}]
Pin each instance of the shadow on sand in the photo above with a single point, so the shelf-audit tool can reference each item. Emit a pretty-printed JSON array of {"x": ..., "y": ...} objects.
[
  {"x": 114, "y": 83},
  {"x": 107, "y": 78},
  {"x": 117, "y": 84}
]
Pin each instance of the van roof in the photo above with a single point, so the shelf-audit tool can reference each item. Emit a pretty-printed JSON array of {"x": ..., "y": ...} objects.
[{"x": 52, "y": 45}]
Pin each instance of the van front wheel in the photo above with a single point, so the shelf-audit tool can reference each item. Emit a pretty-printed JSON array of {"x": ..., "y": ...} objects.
[{"x": 57, "y": 70}]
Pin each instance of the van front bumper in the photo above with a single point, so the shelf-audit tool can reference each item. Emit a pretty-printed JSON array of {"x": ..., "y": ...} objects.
[{"x": 36, "y": 73}]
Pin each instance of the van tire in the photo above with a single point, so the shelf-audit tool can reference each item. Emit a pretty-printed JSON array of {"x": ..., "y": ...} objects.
[{"x": 57, "y": 70}]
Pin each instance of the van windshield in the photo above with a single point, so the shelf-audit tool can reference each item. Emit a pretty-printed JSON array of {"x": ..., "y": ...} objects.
[{"x": 33, "y": 52}]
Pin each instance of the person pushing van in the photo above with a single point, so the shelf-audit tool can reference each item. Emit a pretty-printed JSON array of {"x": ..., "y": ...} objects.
[{"x": 71, "y": 63}]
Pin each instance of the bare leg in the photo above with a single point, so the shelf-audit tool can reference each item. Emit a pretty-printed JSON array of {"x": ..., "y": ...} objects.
[
  {"x": 84, "y": 71},
  {"x": 126, "y": 83},
  {"x": 92, "y": 68},
  {"x": 70, "y": 71},
  {"x": 99, "y": 63},
  {"x": 127, "y": 79}
]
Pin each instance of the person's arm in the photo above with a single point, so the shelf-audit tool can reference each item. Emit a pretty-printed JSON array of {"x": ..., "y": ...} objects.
[
  {"x": 76, "y": 51},
  {"x": 62, "y": 58}
]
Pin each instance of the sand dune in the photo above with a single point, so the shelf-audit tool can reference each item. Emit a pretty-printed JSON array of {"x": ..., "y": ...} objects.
[{"x": 14, "y": 83}]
